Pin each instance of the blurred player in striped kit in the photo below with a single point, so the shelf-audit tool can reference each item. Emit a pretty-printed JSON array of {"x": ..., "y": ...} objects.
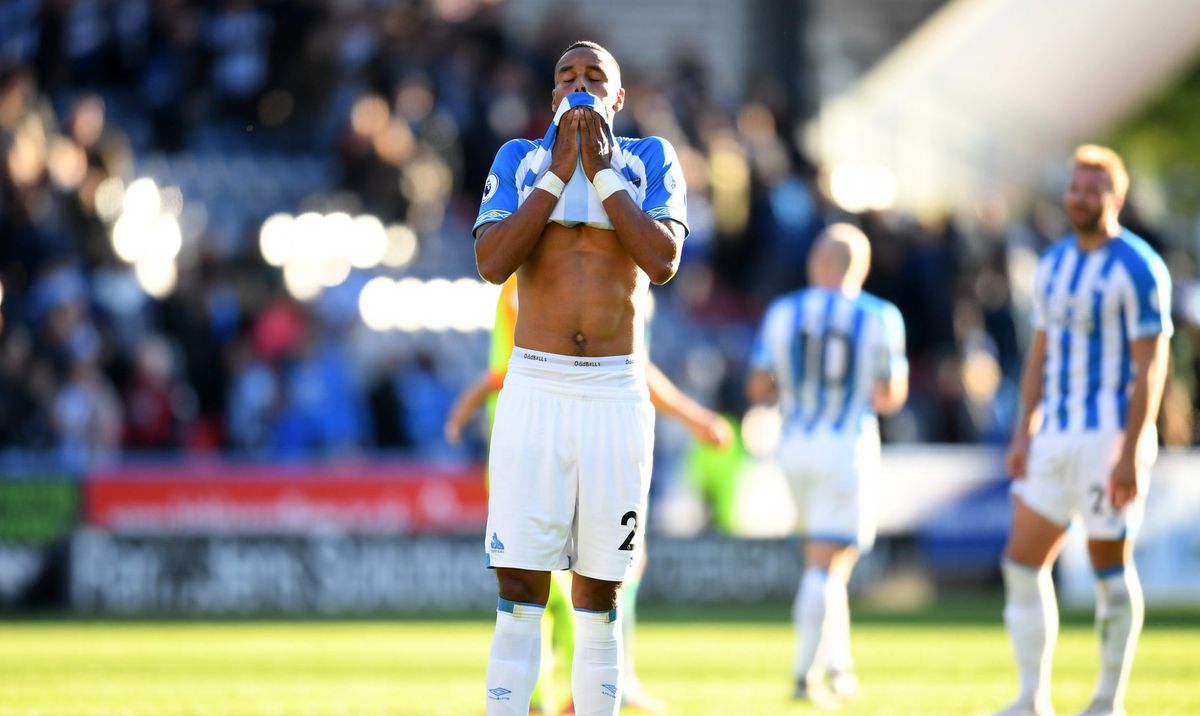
[
  {"x": 833, "y": 356},
  {"x": 1085, "y": 439}
]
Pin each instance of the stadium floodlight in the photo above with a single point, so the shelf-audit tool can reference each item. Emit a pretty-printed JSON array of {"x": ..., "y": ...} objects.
[
  {"x": 377, "y": 303},
  {"x": 142, "y": 199},
  {"x": 438, "y": 304},
  {"x": 407, "y": 304},
  {"x": 164, "y": 239},
  {"x": 274, "y": 239},
  {"x": 401, "y": 246},
  {"x": 331, "y": 248},
  {"x": 368, "y": 242},
  {"x": 302, "y": 280},
  {"x": 156, "y": 275},
  {"x": 129, "y": 237}
]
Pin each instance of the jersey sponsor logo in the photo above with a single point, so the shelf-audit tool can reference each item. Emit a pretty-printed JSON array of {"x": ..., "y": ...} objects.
[
  {"x": 1070, "y": 311},
  {"x": 490, "y": 186}
]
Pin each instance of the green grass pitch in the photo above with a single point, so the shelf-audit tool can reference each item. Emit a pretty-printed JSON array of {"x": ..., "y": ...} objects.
[{"x": 702, "y": 661}]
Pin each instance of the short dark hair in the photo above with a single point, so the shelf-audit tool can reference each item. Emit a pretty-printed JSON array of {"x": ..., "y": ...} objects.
[{"x": 597, "y": 47}]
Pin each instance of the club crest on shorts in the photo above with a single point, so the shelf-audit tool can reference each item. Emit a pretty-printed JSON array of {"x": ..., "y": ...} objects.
[{"x": 489, "y": 187}]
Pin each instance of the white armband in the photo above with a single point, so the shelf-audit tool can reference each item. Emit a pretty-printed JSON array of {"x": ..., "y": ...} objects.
[
  {"x": 607, "y": 182},
  {"x": 550, "y": 183}
]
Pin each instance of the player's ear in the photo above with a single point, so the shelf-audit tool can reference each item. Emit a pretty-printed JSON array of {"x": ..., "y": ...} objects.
[
  {"x": 1119, "y": 201},
  {"x": 619, "y": 102}
]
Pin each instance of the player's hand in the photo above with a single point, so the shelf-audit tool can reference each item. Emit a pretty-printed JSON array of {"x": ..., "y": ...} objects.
[
  {"x": 1123, "y": 483},
  {"x": 595, "y": 151},
  {"x": 1017, "y": 456},
  {"x": 715, "y": 432},
  {"x": 564, "y": 155}
]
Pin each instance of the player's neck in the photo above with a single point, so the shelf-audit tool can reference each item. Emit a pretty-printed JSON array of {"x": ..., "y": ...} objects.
[
  {"x": 845, "y": 287},
  {"x": 1105, "y": 232}
]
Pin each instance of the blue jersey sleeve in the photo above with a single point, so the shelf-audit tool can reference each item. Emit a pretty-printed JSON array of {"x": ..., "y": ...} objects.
[
  {"x": 500, "y": 197},
  {"x": 666, "y": 191},
  {"x": 1148, "y": 308}
]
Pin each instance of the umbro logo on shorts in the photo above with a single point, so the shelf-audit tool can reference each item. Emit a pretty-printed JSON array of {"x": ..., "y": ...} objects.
[
  {"x": 499, "y": 693},
  {"x": 610, "y": 690},
  {"x": 497, "y": 545}
]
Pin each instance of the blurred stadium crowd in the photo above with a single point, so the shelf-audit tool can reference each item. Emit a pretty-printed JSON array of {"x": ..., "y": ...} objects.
[{"x": 245, "y": 226}]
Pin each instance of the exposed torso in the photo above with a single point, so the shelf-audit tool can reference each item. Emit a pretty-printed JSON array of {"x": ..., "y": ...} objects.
[{"x": 579, "y": 292}]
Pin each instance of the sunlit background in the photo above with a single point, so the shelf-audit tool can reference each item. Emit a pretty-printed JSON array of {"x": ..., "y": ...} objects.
[{"x": 238, "y": 287}]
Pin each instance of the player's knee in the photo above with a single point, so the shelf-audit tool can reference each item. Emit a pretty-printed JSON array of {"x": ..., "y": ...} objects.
[
  {"x": 1110, "y": 554},
  {"x": 523, "y": 586},
  {"x": 594, "y": 594}
]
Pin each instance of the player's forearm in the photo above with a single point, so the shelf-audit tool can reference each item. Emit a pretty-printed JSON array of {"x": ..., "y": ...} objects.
[
  {"x": 504, "y": 245},
  {"x": 1030, "y": 399},
  {"x": 664, "y": 395},
  {"x": 651, "y": 244},
  {"x": 472, "y": 399},
  {"x": 672, "y": 403},
  {"x": 1146, "y": 395}
]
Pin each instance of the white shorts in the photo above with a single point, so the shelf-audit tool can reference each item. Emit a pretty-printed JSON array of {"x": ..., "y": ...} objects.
[
  {"x": 1067, "y": 475},
  {"x": 572, "y": 447},
  {"x": 834, "y": 479}
]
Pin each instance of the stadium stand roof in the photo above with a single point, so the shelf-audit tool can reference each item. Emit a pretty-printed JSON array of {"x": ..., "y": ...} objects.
[{"x": 988, "y": 95}]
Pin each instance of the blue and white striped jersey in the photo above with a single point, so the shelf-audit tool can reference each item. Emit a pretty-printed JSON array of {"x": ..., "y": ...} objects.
[
  {"x": 826, "y": 350},
  {"x": 1091, "y": 305},
  {"x": 649, "y": 166}
]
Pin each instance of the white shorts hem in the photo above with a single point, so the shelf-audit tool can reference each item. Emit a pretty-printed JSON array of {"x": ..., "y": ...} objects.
[
  {"x": 603, "y": 578},
  {"x": 1024, "y": 495},
  {"x": 493, "y": 563}
]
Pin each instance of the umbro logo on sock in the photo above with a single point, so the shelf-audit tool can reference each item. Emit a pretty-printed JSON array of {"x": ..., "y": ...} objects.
[
  {"x": 497, "y": 545},
  {"x": 499, "y": 693},
  {"x": 610, "y": 690}
]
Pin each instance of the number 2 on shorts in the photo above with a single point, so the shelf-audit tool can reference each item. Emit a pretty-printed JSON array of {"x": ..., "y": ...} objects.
[
  {"x": 627, "y": 545},
  {"x": 1098, "y": 494}
]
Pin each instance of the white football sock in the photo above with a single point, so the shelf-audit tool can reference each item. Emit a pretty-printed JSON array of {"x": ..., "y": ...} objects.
[
  {"x": 516, "y": 653},
  {"x": 808, "y": 617},
  {"x": 1119, "y": 613},
  {"x": 596, "y": 671},
  {"x": 1031, "y": 615},
  {"x": 837, "y": 616}
]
